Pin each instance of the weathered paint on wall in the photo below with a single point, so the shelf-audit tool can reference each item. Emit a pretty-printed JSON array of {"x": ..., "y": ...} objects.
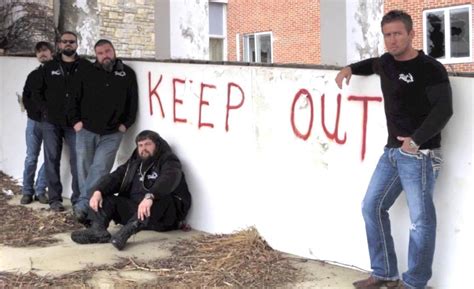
[
  {"x": 282, "y": 149},
  {"x": 363, "y": 37}
]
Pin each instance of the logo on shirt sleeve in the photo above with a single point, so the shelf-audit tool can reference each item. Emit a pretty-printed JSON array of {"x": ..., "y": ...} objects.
[{"x": 406, "y": 77}]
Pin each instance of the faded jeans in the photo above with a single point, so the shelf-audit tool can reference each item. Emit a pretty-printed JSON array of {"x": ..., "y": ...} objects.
[
  {"x": 95, "y": 158},
  {"x": 53, "y": 136},
  {"x": 34, "y": 138},
  {"x": 416, "y": 175}
]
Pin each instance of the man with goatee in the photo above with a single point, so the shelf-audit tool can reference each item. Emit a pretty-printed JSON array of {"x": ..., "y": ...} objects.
[
  {"x": 148, "y": 192},
  {"x": 104, "y": 109},
  {"x": 54, "y": 91}
]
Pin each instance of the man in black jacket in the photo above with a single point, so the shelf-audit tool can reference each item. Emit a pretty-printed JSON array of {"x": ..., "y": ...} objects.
[
  {"x": 34, "y": 136},
  {"x": 418, "y": 104},
  {"x": 53, "y": 92},
  {"x": 104, "y": 108},
  {"x": 152, "y": 195}
]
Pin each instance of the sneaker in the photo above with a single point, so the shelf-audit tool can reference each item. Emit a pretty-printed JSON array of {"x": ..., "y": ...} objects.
[
  {"x": 56, "y": 206},
  {"x": 373, "y": 283},
  {"x": 42, "y": 199},
  {"x": 26, "y": 199}
]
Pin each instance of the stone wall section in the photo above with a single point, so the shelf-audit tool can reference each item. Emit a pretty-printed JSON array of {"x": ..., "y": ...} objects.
[{"x": 130, "y": 26}]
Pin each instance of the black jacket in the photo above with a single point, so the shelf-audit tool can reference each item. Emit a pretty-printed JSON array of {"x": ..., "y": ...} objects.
[
  {"x": 417, "y": 97},
  {"x": 54, "y": 90},
  {"x": 170, "y": 180},
  {"x": 105, "y": 99},
  {"x": 32, "y": 108}
]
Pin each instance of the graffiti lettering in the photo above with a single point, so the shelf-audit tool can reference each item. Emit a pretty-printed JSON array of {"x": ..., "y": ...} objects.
[
  {"x": 154, "y": 92},
  {"x": 333, "y": 135},
  {"x": 203, "y": 102},
  {"x": 229, "y": 106},
  {"x": 297, "y": 132},
  {"x": 234, "y": 100},
  {"x": 365, "y": 100},
  {"x": 177, "y": 100}
]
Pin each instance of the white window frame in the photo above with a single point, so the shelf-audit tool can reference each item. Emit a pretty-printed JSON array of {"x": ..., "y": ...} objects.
[
  {"x": 447, "y": 59},
  {"x": 224, "y": 28},
  {"x": 256, "y": 46}
]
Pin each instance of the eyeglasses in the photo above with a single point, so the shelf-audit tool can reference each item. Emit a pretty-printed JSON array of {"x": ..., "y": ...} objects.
[{"x": 68, "y": 41}]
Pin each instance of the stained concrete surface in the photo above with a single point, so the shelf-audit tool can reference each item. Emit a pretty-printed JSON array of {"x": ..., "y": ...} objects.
[{"x": 66, "y": 256}]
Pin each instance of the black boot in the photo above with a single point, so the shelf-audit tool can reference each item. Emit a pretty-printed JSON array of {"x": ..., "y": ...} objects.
[
  {"x": 97, "y": 233},
  {"x": 120, "y": 238}
]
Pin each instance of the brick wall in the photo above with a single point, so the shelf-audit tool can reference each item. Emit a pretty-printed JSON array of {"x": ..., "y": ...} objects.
[
  {"x": 294, "y": 25},
  {"x": 415, "y": 8},
  {"x": 130, "y": 25}
]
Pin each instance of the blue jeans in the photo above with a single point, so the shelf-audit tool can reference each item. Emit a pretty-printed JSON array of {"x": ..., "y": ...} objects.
[
  {"x": 53, "y": 136},
  {"x": 34, "y": 138},
  {"x": 416, "y": 175},
  {"x": 95, "y": 158}
]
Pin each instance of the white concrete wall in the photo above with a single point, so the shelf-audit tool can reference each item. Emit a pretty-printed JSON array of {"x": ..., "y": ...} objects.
[
  {"x": 243, "y": 136},
  {"x": 182, "y": 29}
]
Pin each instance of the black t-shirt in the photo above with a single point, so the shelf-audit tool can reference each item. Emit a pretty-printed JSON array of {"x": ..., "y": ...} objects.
[
  {"x": 67, "y": 66},
  {"x": 417, "y": 97}
]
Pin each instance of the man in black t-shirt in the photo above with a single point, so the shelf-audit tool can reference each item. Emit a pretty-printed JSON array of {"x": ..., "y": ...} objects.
[{"x": 418, "y": 104}]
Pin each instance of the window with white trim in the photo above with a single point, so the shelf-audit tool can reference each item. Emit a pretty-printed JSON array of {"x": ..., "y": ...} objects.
[
  {"x": 217, "y": 31},
  {"x": 258, "y": 47},
  {"x": 454, "y": 46}
]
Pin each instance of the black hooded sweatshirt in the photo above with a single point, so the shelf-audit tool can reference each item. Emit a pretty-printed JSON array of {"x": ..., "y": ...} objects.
[
  {"x": 163, "y": 177},
  {"x": 54, "y": 89},
  {"x": 105, "y": 100}
]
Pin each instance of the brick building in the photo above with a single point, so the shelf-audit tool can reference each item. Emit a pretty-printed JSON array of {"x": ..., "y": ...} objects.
[
  {"x": 456, "y": 14},
  {"x": 280, "y": 31}
]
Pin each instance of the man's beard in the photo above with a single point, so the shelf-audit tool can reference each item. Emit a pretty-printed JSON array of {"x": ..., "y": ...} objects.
[
  {"x": 108, "y": 65},
  {"x": 148, "y": 159},
  {"x": 69, "y": 52}
]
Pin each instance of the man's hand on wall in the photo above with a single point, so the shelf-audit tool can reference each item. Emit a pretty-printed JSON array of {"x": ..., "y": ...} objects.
[{"x": 346, "y": 73}]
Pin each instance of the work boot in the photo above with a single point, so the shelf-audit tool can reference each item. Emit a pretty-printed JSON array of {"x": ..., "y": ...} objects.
[
  {"x": 56, "y": 206},
  {"x": 120, "y": 238},
  {"x": 97, "y": 233},
  {"x": 42, "y": 199},
  {"x": 373, "y": 283},
  {"x": 91, "y": 236},
  {"x": 81, "y": 216},
  {"x": 26, "y": 199}
]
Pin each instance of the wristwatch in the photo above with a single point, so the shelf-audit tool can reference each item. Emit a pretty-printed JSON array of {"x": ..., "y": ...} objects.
[
  {"x": 413, "y": 144},
  {"x": 149, "y": 196}
]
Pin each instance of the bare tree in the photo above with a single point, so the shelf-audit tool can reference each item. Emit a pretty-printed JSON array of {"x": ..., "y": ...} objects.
[{"x": 24, "y": 23}]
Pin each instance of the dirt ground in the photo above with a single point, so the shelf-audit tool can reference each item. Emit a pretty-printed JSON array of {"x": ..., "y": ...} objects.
[{"x": 145, "y": 262}]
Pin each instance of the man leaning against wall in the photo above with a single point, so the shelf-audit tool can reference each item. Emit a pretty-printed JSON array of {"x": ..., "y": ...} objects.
[
  {"x": 104, "y": 108},
  {"x": 33, "y": 135},
  {"x": 418, "y": 104},
  {"x": 54, "y": 91}
]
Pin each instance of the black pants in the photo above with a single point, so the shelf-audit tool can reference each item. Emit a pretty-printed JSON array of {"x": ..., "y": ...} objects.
[{"x": 164, "y": 216}]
